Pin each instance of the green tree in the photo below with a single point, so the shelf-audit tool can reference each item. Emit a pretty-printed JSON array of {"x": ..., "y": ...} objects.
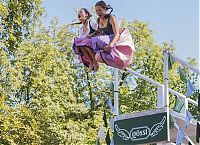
[
  {"x": 48, "y": 97},
  {"x": 18, "y": 20}
]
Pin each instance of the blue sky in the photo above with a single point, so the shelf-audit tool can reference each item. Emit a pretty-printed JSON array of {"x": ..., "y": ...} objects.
[{"x": 176, "y": 20}]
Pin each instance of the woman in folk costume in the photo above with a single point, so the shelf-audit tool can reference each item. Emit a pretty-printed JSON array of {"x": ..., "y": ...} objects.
[
  {"x": 82, "y": 43},
  {"x": 112, "y": 47}
]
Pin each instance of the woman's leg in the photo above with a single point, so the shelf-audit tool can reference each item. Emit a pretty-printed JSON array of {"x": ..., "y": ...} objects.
[
  {"x": 92, "y": 54},
  {"x": 98, "y": 58},
  {"x": 85, "y": 53}
]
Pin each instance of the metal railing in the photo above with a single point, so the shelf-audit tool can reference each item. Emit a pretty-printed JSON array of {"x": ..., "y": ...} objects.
[{"x": 162, "y": 90}]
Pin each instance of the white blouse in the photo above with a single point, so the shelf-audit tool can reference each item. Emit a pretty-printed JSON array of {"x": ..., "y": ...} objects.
[{"x": 93, "y": 24}]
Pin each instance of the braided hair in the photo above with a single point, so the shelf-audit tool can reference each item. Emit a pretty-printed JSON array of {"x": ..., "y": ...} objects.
[
  {"x": 88, "y": 17},
  {"x": 105, "y": 6}
]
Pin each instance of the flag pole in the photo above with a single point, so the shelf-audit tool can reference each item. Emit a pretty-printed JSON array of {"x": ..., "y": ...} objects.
[
  {"x": 166, "y": 91},
  {"x": 116, "y": 87}
]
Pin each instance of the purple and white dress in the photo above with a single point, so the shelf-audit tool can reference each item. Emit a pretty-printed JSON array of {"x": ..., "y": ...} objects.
[{"x": 82, "y": 40}]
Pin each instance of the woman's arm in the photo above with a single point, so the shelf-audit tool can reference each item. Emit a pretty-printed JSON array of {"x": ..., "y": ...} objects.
[
  {"x": 91, "y": 35},
  {"x": 115, "y": 27},
  {"x": 96, "y": 33},
  {"x": 94, "y": 25}
]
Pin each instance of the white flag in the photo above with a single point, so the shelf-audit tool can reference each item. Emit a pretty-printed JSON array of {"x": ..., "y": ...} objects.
[{"x": 101, "y": 133}]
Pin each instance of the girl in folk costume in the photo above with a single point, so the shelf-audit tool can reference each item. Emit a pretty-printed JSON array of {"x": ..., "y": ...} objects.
[
  {"x": 82, "y": 43},
  {"x": 113, "y": 47}
]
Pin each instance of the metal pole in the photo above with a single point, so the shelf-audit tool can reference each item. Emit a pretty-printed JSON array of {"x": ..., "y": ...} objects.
[
  {"x": 161, "y": 98},
  {"x": 166, "y": 79},
  {"x": 116, "y": 87},
  {"x": 186, "y": 64},
  {"x": 166, "y": 91}
]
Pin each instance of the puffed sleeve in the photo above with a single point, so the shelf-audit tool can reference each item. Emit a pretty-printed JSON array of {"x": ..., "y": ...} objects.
[{"x": 94, "y": 24}]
